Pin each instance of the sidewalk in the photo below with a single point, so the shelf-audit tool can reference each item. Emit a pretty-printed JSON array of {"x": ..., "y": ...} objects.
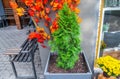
[{"x": 10, "y": 37}]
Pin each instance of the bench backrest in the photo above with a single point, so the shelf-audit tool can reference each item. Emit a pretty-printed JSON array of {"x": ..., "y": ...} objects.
[{"x": 29, "y": 46}]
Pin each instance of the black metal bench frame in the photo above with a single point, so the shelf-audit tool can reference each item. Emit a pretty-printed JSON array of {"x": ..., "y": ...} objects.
[{"x": 26, "y": 54}]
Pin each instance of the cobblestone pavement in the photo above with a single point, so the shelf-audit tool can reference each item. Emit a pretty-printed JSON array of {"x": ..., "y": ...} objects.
[{"x": 10, "y": 37}]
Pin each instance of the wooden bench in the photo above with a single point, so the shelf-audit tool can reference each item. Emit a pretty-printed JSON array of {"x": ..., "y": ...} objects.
[
  {"x": 23, "y": 54},
  {"x": 25, "y": 18},
  {"x": 9, "y": 13}
]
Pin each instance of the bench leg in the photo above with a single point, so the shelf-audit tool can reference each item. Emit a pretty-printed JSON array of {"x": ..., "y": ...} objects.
[
  {"x": 14, "y": 69},
  {"x": 34, "y": 71},
  {"x": 39, "y": 57},
  {"x": 13, "y": 66}
]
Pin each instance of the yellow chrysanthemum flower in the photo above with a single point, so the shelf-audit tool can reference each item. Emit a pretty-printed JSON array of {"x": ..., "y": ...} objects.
[{"x": 109, "y": 65}]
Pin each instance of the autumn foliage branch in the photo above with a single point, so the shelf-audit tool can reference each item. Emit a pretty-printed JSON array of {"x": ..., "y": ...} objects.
[{"x": 40, "y": 10}]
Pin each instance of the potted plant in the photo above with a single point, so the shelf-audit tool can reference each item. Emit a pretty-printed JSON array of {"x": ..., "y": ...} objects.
[
  {"x": 110, "y": 67},
  {"x": 67, "y": 61}
]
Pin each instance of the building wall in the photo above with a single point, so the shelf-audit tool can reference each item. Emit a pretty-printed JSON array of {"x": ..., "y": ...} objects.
[
  {"x": 89, "y": 14},
  {"x": 1, "y": 8}
]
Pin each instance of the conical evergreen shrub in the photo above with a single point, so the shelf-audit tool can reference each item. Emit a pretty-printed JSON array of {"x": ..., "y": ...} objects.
[{"x": 66, "y": 40}]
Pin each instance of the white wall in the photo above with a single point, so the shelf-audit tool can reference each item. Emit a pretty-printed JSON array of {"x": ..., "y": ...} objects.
[{"x": 89, "y": 12}]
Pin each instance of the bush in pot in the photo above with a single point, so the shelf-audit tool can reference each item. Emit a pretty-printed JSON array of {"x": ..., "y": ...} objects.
[
  {"x": 66, "y": 45},
  {"x": 66, "y": 39}
]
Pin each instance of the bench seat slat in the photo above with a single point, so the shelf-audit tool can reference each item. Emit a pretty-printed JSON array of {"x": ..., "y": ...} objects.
[
  {"x": 25, "y": 46},
  {"x": 31, "y": 44},
  {"x": 26, "y": 53},
  {"x": 24, "y": 43},
  {"x": 33, "y": 48},
  {"x": 29, "y": 47},
  {"x": 14, "y": 58},
  {"x": 17, "y": 57},
  {"x": 26, "y": 58},
  {"x": 21, "y": 57},
  {"x": 29, "y": 58}
]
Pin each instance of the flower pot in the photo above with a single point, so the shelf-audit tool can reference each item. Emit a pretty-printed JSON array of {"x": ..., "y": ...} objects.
[
  {"x": 49, "y": 75},
  {"x": 44, "y": 53}
]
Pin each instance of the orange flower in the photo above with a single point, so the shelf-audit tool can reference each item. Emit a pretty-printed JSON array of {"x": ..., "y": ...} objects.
[
  {"x": 38, "y": 1},
  {"x": 54, "y": 26},
  {"x": 42, "y": 14},
  {"x": 55, "y": 4},
  {"x": 79, "y": 20},
  {"x": 47, "y": 10},
  {"x": 38, "y": 14},
  {"x": 77, "y": 10},
  {"x": 51, "y": 29},
  {"x": 47, "y": 18},
  {"x": 48, "y": 37},
  {"x": 36, "y": 20},
  {"x": 32, "y": 35},
  {"x": 69, "y": 1},
  {"x": 20, "y": 11},
  {"x": 46, "y": 24},
  {"x": 39, "y": 30},
  {"x": 59, "y": 6},
  {"x": 77, "y": 2},
  {"x": 37, "y": 7},
  {"x": 42, "y": 30},
  {"x": 13, "y": 4},
  {"x": 41, "y": 37},
  {"x": 45, "y": 35},
  {"x": 33, "y": 8},
  {"x": 54, "y": 8},
  {"x": 72, "y": 7},
  {"x": 57, "y": 16},
  {"x": 29, "y": 2},
  {"x": 45, "y": 1},
  {"x": 31, "y": 12},
  {"x": 51, "y": 3}
]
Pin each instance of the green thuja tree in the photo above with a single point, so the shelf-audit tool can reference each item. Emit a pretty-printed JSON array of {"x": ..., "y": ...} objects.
[{"x": 66, "y": 40}]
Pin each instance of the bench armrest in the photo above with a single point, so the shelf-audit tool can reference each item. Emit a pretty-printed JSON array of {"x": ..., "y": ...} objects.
[{"x": 13, "y": 51}]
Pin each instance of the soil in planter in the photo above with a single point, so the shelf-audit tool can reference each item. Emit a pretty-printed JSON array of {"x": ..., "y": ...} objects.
[{"x": 80, "y": 66}]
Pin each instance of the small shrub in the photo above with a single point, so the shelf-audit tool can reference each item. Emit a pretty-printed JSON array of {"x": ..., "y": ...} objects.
[{"x": 66, "y": 39}]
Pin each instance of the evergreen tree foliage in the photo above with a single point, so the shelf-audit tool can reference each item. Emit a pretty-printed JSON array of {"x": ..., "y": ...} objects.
[{"x": 66, "y": 40}]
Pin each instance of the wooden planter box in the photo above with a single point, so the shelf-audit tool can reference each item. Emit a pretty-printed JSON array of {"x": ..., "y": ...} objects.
[{"x": 48, "y": 75}]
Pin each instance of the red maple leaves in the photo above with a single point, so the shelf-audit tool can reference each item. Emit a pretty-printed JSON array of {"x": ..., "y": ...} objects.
[{"x": 39, "y": 9}]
